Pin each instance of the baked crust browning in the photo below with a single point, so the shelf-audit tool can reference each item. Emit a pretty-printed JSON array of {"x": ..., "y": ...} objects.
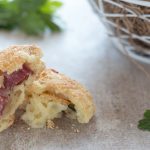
[
  {"x": 19, "y": 66},
  {"x": 55, "y": 83},
  {"x": 12, "y": 58},
  {"x": 44, "y": 93}
]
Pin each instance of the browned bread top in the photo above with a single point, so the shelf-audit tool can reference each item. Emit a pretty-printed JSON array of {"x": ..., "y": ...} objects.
[
  {"x": 55, "y": 83},
  {"x": 14, "y": 57}
]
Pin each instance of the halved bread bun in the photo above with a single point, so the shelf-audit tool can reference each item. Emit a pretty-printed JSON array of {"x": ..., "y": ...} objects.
[
  {"x": 19, "y": 66},
  {"x": 53, "y": 93}
]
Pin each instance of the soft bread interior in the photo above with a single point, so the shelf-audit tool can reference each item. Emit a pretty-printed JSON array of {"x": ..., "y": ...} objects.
[
  {"x": 16, "y": 98},
  {"x": 42, "y": 108},
  {"x": 55, "y": 88},
  {"x": 29, "y": 55}
]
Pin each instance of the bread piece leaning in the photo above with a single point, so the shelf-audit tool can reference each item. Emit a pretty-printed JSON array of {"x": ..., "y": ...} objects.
[
  {"x": 19, "y": 66},
  {"x": 53, "y": 93}
]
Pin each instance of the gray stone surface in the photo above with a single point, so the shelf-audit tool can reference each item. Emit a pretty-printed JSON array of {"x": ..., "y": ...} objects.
[{"x": 121, "y": 91}]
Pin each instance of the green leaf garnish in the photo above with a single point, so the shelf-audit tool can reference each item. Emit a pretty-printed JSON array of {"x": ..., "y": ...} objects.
[
  {"x": 144, "y": 124},
  {"x": 31, "y": 16}
]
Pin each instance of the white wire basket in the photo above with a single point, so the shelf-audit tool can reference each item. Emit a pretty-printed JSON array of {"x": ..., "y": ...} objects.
[{"x": 134, "y": 43}]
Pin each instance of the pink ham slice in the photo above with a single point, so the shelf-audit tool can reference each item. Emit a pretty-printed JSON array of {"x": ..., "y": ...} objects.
[{"x": 10, "y": 81}]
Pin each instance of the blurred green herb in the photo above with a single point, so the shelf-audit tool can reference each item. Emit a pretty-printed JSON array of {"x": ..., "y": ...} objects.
[
  {"x": 31, "y": 16},
  {"x": 144, "y": 124}
]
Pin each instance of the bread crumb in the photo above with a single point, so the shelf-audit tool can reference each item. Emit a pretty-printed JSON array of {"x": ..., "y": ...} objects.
[
  {"x": 28, "y": 128},
  {"x": 76, "y": 130},
  {"x": 73, "y": 125},
  {"x": 57, "y": 127},
  {"x": 50, "y": 124},
  {"x": 131, "y": 125}
]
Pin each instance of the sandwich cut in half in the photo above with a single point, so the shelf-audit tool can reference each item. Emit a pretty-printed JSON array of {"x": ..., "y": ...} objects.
[
  {"x": 19, "y": 66},
  {"x": 53, "y": 93}
]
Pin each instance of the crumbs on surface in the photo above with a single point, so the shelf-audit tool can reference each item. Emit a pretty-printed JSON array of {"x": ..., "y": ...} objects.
[
  {"x": 28, "y": 128},
  {"x": 75, "y": 130},
  {"x": 50, "y": 124},
  {"x": 57, "y": 127}
]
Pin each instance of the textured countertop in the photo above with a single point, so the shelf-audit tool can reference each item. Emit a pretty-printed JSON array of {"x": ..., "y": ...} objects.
[{"x": 121, "y": 91}]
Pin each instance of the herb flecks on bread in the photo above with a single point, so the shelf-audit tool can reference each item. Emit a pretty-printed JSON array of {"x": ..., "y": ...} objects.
[
  {"x": 44, "y": 94},
  {"x": 53, "y": 93}
]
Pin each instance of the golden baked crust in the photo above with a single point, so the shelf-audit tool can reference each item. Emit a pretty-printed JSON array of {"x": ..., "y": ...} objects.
[
  {"x": 51, "y": 82},
  {"x": 14, "y": 57}
]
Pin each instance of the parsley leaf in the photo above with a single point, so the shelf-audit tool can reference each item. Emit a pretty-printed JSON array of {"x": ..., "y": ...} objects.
[
  {"x": 50, "y": 7},
  {"x": 34, "y": 24},
  {"x": 144, "y": 124},
  {"x": 30, "y": 16}
]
